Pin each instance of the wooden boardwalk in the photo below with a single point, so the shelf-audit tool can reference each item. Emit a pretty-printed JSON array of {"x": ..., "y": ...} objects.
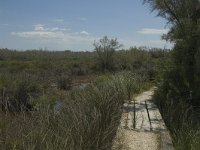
[{"x": 149, "y": 132}]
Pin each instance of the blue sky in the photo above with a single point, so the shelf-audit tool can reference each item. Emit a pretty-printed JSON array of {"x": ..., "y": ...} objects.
[{"x": 75, "y": 24}]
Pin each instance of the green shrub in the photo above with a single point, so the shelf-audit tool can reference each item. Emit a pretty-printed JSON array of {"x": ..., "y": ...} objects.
[{"x": 16, "y": 95}]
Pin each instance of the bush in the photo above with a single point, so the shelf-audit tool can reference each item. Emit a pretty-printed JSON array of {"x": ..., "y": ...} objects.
[
  {"x": 174, "y": 100},
  {"x": 16, "y": 95},
  {"x": 105, "y": 49},
  {"x": 64, "y": 82}
]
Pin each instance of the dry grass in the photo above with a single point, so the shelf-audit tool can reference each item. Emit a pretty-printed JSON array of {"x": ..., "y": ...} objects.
[{"x": 88, "y": 119}]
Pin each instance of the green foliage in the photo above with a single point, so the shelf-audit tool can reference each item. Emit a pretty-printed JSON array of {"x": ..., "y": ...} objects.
[
  {"x": 17, "y": 95},
  {"x": 183, "y": 15},
  {"x": 148, "y": 64},
  {"x": 60, "y": 70},
  {"x": 39, "y": 64},
  {"x": 105, "y": 49},
  {"x": 126, "y": 83},
  {"x": 87, "y": 119},
  {"x": 178, "y": 93}
]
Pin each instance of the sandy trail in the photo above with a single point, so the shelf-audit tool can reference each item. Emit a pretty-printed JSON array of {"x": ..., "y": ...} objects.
[{"x": 144, "y": 136}]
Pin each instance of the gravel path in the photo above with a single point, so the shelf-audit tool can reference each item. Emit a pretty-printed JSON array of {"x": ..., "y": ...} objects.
[{"x": 145, "y": 135}]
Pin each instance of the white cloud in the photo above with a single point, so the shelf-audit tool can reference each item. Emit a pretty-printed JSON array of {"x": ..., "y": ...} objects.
[
  {"x": 57, "y": 29},
  {"x": 62, "y": 38},
  {"x": 39, "y": 34},
  {"x": 39, "y": 27},
  {"x": 152, "y": 31},
  {"x": 40, "y": 31},
  {"x": 58, "y": 36},
  {"x": 84, "y": 33}
]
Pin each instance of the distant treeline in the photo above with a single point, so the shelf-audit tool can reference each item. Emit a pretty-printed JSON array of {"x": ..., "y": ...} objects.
[{"x": 123, "y": 59}]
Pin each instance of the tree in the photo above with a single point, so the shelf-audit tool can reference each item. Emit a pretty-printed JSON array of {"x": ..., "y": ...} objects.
[
  {"x": 105, "y": 49},
  {"x": 183, "y": 18}
]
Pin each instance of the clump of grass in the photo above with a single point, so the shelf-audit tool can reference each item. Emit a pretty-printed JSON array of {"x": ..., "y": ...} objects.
[
  {"x": 187, "y": 138},
  {"x": 126, "y": 83},
  {"x": 88, "y": 119}
]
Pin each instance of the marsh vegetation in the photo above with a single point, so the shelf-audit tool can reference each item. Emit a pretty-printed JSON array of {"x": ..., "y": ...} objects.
[
  {"x": 43, "y": 107},
  {"x": 32, "y": 83}
]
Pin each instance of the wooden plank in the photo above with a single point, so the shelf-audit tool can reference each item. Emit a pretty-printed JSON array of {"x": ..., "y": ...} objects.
[{"x": 150, "y": 132}]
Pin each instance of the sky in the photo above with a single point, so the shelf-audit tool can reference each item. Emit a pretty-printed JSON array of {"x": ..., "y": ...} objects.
[{"x": 76, "y": 24}]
